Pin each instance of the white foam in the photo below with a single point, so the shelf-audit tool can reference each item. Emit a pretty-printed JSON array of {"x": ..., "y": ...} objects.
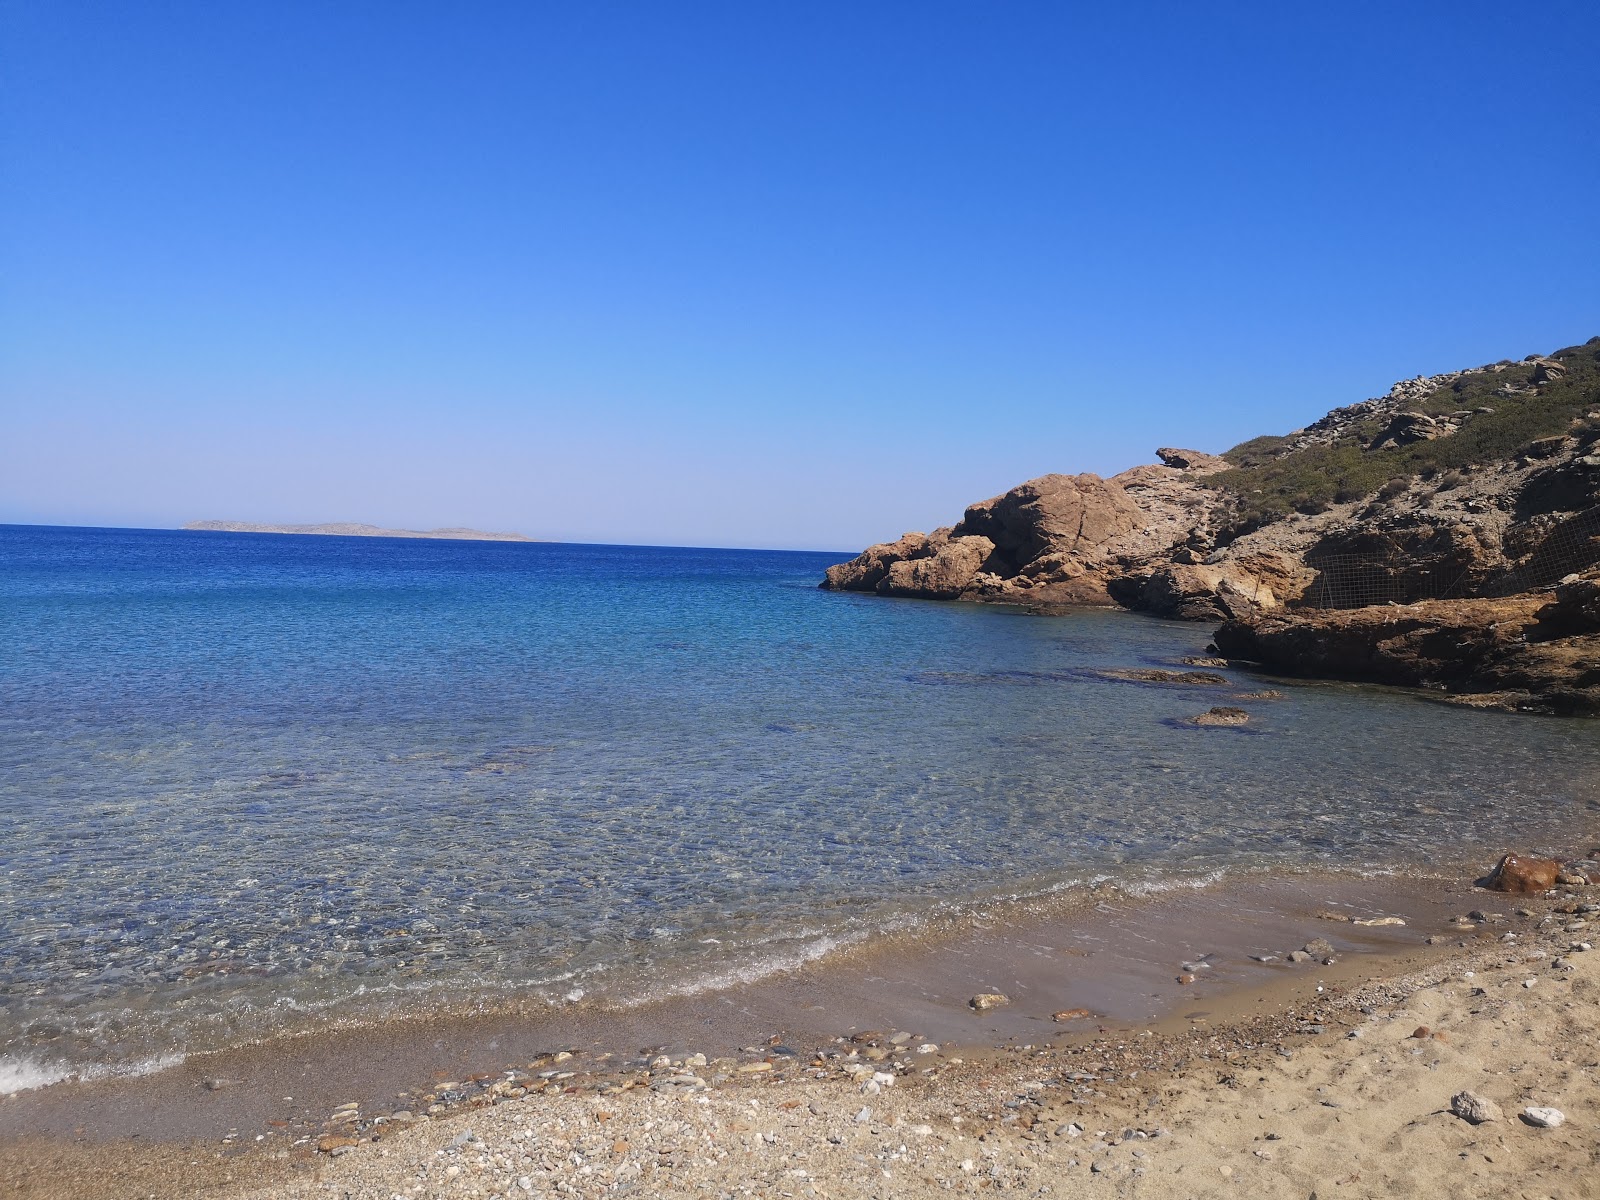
[
  {"x": 23, "y": 1075},
  {"x": 27, "y": 1074},
  {"x": 748, "y": 973}
]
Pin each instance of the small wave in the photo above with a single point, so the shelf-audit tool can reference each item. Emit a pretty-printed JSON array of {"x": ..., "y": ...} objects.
[
  {"x": 1155, "y": 887},
  {"x": 27, "y": 1074},
  {"x": 749, "y": 972}
]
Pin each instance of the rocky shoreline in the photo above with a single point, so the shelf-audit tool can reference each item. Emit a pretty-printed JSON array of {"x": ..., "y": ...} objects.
[
  {"x": 1347, "y": 1072},
  {"x": 1477, "y": 580},
  {"x": 1530, "y": 653}
]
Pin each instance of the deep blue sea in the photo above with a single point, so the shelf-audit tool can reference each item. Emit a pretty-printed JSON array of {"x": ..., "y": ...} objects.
[{"x": 250, "y": 782}]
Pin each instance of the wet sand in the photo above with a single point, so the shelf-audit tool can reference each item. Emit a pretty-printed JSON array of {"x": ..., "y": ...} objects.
[{"x": 257, "y": 1113}]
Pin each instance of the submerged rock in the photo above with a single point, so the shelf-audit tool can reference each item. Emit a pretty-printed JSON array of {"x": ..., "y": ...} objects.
[
  {"x": 984, "y": 1001},
  {"x": 1155, "y": 675},
  {"x": 1221, "y": 717}
]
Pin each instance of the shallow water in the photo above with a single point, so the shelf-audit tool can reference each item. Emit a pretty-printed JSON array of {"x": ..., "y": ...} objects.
[{"x": 248, "y": 782}]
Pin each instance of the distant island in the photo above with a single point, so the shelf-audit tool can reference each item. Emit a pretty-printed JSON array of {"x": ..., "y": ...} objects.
[{"x": 352, "y": 529}]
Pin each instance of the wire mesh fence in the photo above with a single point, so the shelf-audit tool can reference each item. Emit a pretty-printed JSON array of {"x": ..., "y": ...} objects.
[
  {"x": 1571, "y": 546},
  {"x": 1392, "y": 577}
]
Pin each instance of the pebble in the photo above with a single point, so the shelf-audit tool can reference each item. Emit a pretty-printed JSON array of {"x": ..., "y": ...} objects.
[
  {"x": 1544, "y": 1118},
  {"x": 1071, "y": 1014},
  {"x": 987, "y": 1000},
  {"x": 1470, "y": 1106}
]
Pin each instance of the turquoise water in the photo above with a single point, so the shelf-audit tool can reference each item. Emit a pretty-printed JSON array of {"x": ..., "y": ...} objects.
[{"x": 249, "y": 782}]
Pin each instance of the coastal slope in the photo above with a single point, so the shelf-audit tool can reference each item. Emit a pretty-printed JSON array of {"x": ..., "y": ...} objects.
[
  {"x": 353, "y": 529},
  {"x": 1482, "y": 483},
  {"x": 1474, "y": 482}
]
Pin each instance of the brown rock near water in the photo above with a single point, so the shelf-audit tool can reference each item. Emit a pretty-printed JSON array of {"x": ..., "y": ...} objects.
[
  {"x": 1056, "y": 540},
  {"x": 1537, "y": 652},
  {"x": 948, "y": 569},
  {"x": 1524, "y": 875},
  {"x": 1054, "y": 514},
  {"x": 1470, "y": 532}
]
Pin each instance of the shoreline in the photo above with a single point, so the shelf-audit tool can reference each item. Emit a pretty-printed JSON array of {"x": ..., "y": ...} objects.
[{"x": 1121, "y": 960}]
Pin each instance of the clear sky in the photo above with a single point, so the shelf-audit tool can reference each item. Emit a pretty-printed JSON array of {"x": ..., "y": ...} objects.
[{"x": 747, "y": 273}]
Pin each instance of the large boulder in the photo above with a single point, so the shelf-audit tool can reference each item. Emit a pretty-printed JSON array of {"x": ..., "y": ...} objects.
[
  {"x": 1191, "y": 460},
  {"x": 1524, "y": 875},
  {"x": 1409, "y": 427},
  {"x": 1198, "y": 592},
  {"x": 1216, "y": 590},
  {"x": 1054, "y": 514},
  {"x": 1574, "y": 610},
  {"x": 949, "y": 572},
  {"x": 866, "y": 570},
  {"x": 1546, "y": 370}
]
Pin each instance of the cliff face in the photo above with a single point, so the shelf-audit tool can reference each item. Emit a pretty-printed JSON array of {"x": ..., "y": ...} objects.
[{"x": 1426, "y": 492}]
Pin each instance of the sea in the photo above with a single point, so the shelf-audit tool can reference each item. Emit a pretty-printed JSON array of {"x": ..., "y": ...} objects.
[{"x": 253, "y": 785}]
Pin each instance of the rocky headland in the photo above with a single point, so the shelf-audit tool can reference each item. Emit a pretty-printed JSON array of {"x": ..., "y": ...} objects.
[
  {"x": 1445, "y": 535},
  {"x": 354, "y": 529}
]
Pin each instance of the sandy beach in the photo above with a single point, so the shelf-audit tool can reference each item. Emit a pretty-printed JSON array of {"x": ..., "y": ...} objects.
[{"x": 1312, "y": 1077}]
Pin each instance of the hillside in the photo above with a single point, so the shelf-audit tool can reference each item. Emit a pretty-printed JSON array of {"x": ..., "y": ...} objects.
[
  {"x": 1424, "y": 428},
  {"x": 1483, "y": 482}
]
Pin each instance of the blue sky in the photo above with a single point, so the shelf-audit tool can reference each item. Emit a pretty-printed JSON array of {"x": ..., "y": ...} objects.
[{"x": 798, "y": 275}]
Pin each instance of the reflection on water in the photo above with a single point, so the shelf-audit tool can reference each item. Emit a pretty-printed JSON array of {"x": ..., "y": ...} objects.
[{"x": 248, "y": 779}]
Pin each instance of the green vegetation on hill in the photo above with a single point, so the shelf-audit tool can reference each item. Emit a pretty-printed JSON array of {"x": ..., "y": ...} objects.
[{"x": 1270, "y": 483}]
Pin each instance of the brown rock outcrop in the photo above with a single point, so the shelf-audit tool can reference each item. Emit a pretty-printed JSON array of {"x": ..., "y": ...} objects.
[
  {"x": 948, "y": 571},
  {"x": 1043, "y": 541},
  {"x": 1534, "y": 652},
  {"x": 1191, "y": 460},
  {"x": 1058, "y": 539},
  {"x": 1524, "y": 875},
  {"x": 864, "y": 572},
  {"x": 1054, "y": 514}
]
